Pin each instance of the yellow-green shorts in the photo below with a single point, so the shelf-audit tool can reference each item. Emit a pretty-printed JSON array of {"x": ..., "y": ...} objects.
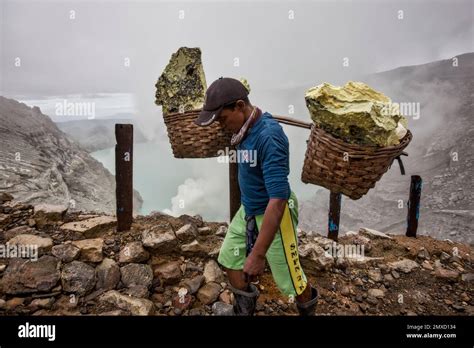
[{"x": 282, "y": 255}]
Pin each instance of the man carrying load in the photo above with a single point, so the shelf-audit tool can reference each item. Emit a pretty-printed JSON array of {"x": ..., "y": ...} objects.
[{"x": 265, "y": 225}]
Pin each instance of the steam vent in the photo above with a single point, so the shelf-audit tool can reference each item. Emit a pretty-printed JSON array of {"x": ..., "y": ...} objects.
[
  {"x": 182, "y": 83},
  {"x": 356, "y": 114}
]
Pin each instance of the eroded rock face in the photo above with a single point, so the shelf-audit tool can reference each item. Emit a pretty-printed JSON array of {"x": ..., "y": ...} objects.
[
  {"x": 356, "y": 113},
  {"x": 52, "y": 167},
  {"x": 182, "y": 85}
]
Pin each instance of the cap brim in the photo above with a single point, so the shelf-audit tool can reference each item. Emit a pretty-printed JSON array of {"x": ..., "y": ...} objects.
[{"x": 206, "y": 118}]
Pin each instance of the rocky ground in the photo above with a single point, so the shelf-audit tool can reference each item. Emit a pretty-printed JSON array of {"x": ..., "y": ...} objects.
[{"x": 167, "y": 266}]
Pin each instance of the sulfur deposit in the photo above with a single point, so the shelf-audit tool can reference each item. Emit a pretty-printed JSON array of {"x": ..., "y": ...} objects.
[
  {"x": 182, "y": 85},
  {"x": 356, "y": 114}
]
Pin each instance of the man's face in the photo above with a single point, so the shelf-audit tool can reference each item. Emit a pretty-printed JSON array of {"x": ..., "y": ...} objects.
[{"x": 233, "y": 120}]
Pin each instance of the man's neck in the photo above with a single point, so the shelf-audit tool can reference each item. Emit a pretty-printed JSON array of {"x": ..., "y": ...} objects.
[{"x": 258, "y": 114}]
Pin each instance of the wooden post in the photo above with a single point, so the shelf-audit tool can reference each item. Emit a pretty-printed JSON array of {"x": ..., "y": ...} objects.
[
  {"x": 334, "y": 215},
  {"x": 234, "y": 189},
  {"x": 124, "y": 175},
  {"x": 414, "y": 205}
]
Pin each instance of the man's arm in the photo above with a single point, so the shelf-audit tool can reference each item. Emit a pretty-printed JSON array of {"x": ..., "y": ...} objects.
[{"x": 255, "y": 263}]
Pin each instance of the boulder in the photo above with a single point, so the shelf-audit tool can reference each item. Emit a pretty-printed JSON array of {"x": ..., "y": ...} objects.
[
  {"x": 78, "y": 277},
  {"x": 45, "y": 214},
  {"x": 158, "y": 240},
  {"x": 27, "y": 276},
  {"x": 193, "y": 247},
  {"x": 213, "y": 273},
  {"x": 405, "y": 265},
  {"x": 169, "y": 272},
  {"x": 66, "y": 252},
  {"x": 91, "y": 227},
  {"x": 209, "y": 293},
  {"x": 222, "y": 309},
  {"x": 90, "y": 249},
  {"x": 187, "y": 233},
  {"x": 42, "y": 244},
  {"x": 193, "y": 284},
  {"x": 133, "y": 252},
  {"x": 108, "y": 274},
  {"x": 136, "y": 306},
  {"x": 136, "y": 274}
]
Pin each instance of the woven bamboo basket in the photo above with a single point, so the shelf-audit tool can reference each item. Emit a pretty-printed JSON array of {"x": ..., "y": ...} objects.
[
  {"x": 189, "y": 140},
  {"x": 346, "y": 168}
]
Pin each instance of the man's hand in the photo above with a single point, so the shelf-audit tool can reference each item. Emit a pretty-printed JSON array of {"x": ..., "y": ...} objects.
[{"x": 254, "y": 265}]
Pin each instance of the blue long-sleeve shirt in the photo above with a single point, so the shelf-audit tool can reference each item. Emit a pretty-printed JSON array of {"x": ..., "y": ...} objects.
[{"x": 264, "y": 173}]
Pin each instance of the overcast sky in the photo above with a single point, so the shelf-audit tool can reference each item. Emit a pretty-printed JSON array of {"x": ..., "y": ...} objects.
[
  {"x": 84, "y": 51},
  {"x": 79, "y": 49}
]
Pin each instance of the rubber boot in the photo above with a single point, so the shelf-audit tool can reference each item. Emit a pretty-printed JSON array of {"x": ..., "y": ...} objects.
[
  {"x": 245, "y": 301},
  {"x": 308, "y": 308}
]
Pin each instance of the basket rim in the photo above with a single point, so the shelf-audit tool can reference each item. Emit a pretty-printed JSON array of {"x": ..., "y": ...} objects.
[
  {"x": 370, "y": 148},
  {"x": 186, "y": 113}
]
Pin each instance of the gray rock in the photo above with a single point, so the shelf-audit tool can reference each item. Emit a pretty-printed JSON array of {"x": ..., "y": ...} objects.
[
  {"x": 42, "y": 244},
  {"x": 209, "y": 293},
  {"x": 90, "y": 249},
  {"x": 169, "y": 272},
  {"x": 377, "y": 293},
  {"x": 316, "y": 256},
  {"x": 444, "y": 256},
  {"x": 222, "y": 309},
  {"x": 78, "y": 277},
  {"x": 136, "y": 306},
  {"x": 136, "y": 274},
  {"x": 45, "y": 214},
  {"x": 92, "y": 226},
  {"x": 108, "y": 274},
  {"x": 423, "y": 254},
  {"x": 139, "y": 291},
  {"x": 204, "y": 230},
  {"x": 375, "y": 275},
  {"x": 187, "y": 233},
  {"x": 405, "y": 265},
  {"x": 221, "y": 231},
  {"x": 213, "y": 273},
  {"x": 193, "y": 247},
  {"x": 13, "y": 232},
  {"x": 133, "y": 252},
  {"x": 66, "y": 252},
  {"x": 373, "y": 234},
  {"x": 42, "y": 303},
  {"x": 162, "y": 241},
  {"x": 27, "y": 276},
  {"x": 446, "y": 274},
  {"x": 193, "y": 284},
  {"x": 467, "y": 277}
]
